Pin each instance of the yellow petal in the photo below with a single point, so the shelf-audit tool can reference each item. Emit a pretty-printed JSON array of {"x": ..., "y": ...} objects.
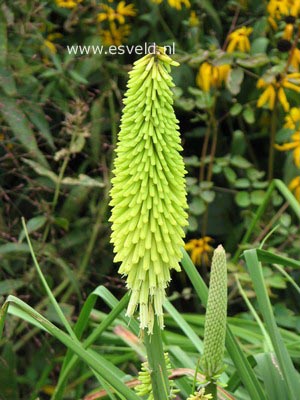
[
  {"x": 294, "y": 183},
  {"x": 286, "y": 146},
  {"x": 296, "y": 156},
  {"x": 292, "y": 86},
  {"x": 283, "y": 100}
]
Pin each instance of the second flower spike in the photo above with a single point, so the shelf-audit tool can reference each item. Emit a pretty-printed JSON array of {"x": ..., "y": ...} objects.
[{"x": 148, "y": 189}]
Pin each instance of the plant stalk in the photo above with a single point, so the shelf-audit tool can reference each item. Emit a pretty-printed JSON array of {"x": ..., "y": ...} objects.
[
  {"x": 211, "y": 388},
  {"x": 157, "y": 364}
]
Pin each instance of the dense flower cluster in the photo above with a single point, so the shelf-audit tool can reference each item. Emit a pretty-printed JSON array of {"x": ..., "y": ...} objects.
[
  {"x": 148, "y": 193},
  {"x": 215, "y": 319}
]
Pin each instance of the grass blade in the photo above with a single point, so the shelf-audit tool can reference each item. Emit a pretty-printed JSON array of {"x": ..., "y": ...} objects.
[
  {"x": 70, "y": 359},
  {"x": 284, "y": 359},
  {"x": 184, "y": 326},
  {"x": 103, "y": 368}
]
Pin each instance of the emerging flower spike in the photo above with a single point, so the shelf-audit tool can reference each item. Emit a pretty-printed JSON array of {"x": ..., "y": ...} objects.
[
  {"x": 148, "y": 189},
  {"x": 145, "y": 386},
  {"x": 200, "y": 395},
  {"x": 215, "y": 319}
]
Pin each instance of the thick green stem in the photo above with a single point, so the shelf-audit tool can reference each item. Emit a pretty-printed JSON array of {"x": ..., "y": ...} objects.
[
  {"x": 211, "y": 388},
  {"x": 157, "y": 364}
]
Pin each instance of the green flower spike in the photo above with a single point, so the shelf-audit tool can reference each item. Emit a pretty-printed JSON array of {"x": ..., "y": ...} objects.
[
  {"x": 145, "y": 386},
  {"x": 148, "y": 189},
  {"x": 215, "y": 319}
]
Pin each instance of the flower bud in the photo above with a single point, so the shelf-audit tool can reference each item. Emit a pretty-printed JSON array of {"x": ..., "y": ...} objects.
[{"x": 215, "y": 318}]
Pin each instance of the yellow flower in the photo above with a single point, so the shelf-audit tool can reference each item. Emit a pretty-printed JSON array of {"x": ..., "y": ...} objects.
[
  {"x": 49, "y": 42},
  {"x": 294, "y": 8},
  {"x": 211, "y": 76},
  {"x": 178, "y": 4},
  {"x": 193, "y": 20},
  {"x": 295, "y": 58},
  {"x": 239, "y": 39},
  {"x": 294, "y": 145},
  {"x": 280, "y": 8},
  {"x": 288, "y": 32},
  {"x": 199, "y": 249},
  {"x": 175, "y": 3},
  {"x": 292, "y": 120},
  {"x": 115, "y": 35},
  {"x": 67, "y": 3},
  {"x": 275, "y": 88},
  {"x": 119, "y": 14},
  {"x": 294, "y": 186}
]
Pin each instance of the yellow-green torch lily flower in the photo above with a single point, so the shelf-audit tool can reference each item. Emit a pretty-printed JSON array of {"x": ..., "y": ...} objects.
[{"x": 148, "y": 189}]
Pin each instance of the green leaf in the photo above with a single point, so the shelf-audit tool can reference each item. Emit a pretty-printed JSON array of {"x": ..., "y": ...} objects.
[
  {"x": 41, "y": 170},
  {"x": 238, "y": 144},
  {"x": 3, "y": 39},
  {"x": 97, "y": 363},
  {"x": 184, "y": 326},
  {"x": 10, "y": 248},
  {"x": 286, "y": 366},
  {"x": 259, "y": 45},
  {"x": 234, "y": 80},
  {"x": 197, "y": 206},
  {"x": 235, "y": 109},
  {"x": 61, "y": 222},
  {"x": 204, "y": 101},
  {"x": 77, "y": 77},
  {"x": 8, "y": 377},
  {"x": 257, "y": 197},
  {"x": 33, "y": 225},
  {"x": 19, "y": 124},
  {"x": 255, "y": 61},
  {"x": 185, "y": 104},
  {"x": 242, "y": 183},
  {"x": 208, "y": 196},
  {"x": 70, "y": 360},
  {"x": 230, "y": 175},
  {"x": 243, "y": 199},
  {"x": 9, "y": 285},
  {"x": 7, "y": 82},
  {"x": 192, "y": 223},
  {"x": 240, "y": 162},
  {"x": 83, "y": 180},
  {"x": 248, "y": 115},
  {"x": 36, "y": 115}
]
